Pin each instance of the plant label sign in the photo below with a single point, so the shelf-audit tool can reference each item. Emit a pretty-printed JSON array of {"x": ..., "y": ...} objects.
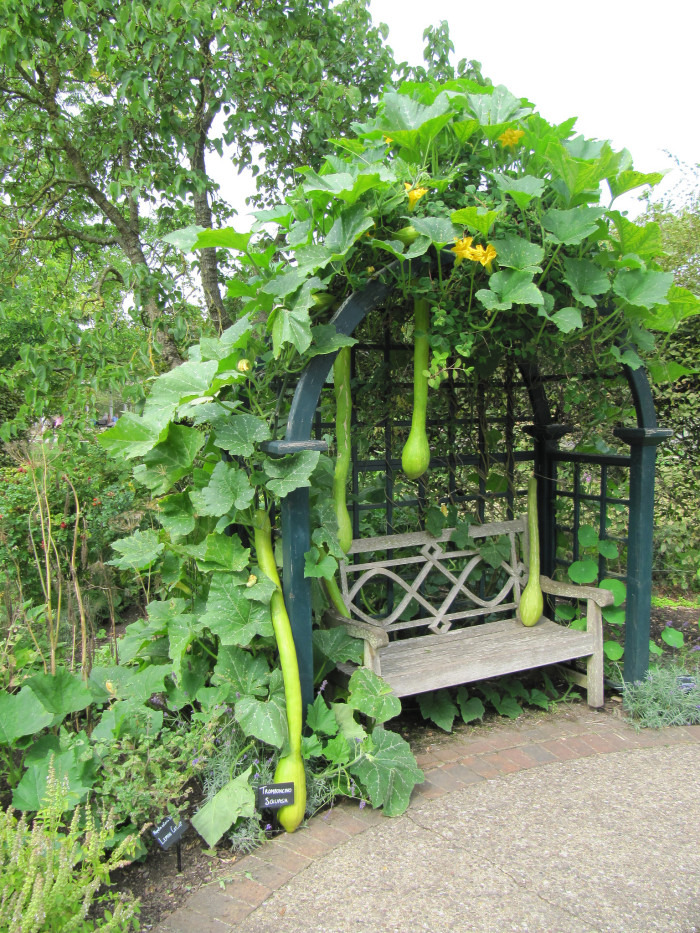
[
  {"x": 169, "y": 832},
  {"x": 274, "y": 796}
]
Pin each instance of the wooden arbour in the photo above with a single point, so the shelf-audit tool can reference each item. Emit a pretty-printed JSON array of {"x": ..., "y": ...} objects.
[{"x": 547, "y": 454}]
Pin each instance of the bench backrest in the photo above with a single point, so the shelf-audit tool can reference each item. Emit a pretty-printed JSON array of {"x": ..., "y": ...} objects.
[{"x": 447, "y": 584}]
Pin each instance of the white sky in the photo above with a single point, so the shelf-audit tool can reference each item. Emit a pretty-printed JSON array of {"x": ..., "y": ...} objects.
[{"x": 629, "y": 69}]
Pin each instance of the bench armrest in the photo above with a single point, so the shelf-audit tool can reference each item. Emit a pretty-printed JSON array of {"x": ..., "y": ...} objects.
[
  {"x": 572, "y": 591},
  {"x": 373, "y": 634}
]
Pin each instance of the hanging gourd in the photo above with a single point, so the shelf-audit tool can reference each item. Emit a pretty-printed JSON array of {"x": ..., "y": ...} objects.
[
  {"x": 531, "y": 601},
  {"x": 416, "y": 452},
  {"x": 290, "y": 768},
  {"x": 343, "y": 414}
]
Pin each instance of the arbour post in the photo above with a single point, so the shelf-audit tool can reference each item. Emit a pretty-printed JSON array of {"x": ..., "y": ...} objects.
[
  {"x": 546, "y": 437},
  {"x": 643, "y": 443}
]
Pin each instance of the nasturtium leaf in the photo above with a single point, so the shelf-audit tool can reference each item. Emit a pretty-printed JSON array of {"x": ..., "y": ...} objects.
[
  {"x": 439, "y": 229},
  {"x": 475, "y": 218},
  {"x": 372, "y": 696},
  {"x": 583, "y": 571},
  {"x": 235, "y": 799},
  {"x": 573, "y": 226},
  {"x": 585, "y": 279},
  {"x": 514, "y": 252},
  {"x": 608, "y": 549},
  {"x": 643, "y": 287},
  {"x": 225, "y": 237},
  {"x": 320, "y": 717},
  {"x": 185, "y": 238},
  {"x": 245, "y": 673},
  {"x": 587, "y": 536},
  {"x": 654, "y": 648},
  {"x": 228, "y": 488},
  {"x": 231, "y": 616},
  {"x": 22, "y": 714},
  {"x": 612, "y": 650},
  {"x": 388, "y": 772},
  {"x": 131, "y": 436},
  {"x": 507, "y": 288},
  {"x": 176, "y": 515},
  {"x": 672, "y": 637},
  {"x": 264, "y": 719},
  {"x": 522, "y": 190},
  {"x": 137, "y": 552},
  {"x": 438, "y": 706},
  {"x": 290, "y": 473},
  {"x": 189, "y": 380},
  {"x": 614, "y": 616},
  {"x": 240, "y": 433},
  {"x": 567, "y": 319},
  {"x": 60, "y": 693},
  {"x": 471, "y": 708},
  {"x": 617, "y": 588}
]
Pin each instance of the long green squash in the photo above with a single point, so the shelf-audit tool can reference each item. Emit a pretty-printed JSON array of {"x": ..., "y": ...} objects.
[
  {"x": 290, "y": 768},
  {"x": 531, "y": 600},
  {"x": 415, "y": 457},
  {"x": 343, "y": 414}
]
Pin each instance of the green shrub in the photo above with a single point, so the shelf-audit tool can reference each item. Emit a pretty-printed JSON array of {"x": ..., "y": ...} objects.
[{"x": 668, "y": 696}]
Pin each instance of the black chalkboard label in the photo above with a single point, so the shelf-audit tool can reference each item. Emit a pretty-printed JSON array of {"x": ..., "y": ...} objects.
[
  {"x": 274, "y": 796},
  {"x": 169, "y": 832}
]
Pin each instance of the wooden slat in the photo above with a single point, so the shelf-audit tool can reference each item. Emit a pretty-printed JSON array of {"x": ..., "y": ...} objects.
[{"x": 414, "y": 665}]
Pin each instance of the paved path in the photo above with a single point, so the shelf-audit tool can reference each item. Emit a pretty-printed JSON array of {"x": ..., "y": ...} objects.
[{"x": 577, "y": 824}]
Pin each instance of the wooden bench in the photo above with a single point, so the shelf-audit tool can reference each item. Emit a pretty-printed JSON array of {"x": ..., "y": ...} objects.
[{"x": 460, "y": 634}]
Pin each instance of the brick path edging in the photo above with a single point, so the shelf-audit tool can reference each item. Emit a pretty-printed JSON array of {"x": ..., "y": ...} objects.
[{"x": 452, "y": 763}]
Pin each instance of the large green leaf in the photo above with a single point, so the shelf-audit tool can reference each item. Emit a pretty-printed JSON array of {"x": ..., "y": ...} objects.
[
  {"x": 418, "y": 248},
  {"x": 21, "y": 714},
  {"x": 326, "y": 339},
  {"x": 507, "y": 288},
  {"x": 240, "y": 433},
  {"x": 388, "y": 772},
  {"x": 292, "y": 323},
  {"x": 476, "y": 218},
  {"x": 372, "y": 696},
  {"x": 567, "y": 319},
  {"x": 645, "y": 288},
  {"x": 349, "y": 727},
  {"x": 170, "y": 460},
  {"x": 264, "y": 719},
  {"x": 185, "y": 238},
  {"x": 60, "y": 693},
  {"x": 644, "y": 241},
  {"x": 573, "y": 226},
  {"x": 70, "y": 769},
  {"x": 347, "y": 228},
  {"x": 131, "y": 436},
  {"x": 235, "y": 619},
  {"x": 176, "y": 515},
  {"x": 130, "y": 682},
  {"x": 235, "y": 799},
  {"x": 681, "y": 304},
  {"x": 245, "y": 673},
  {"x": 219, "y": 551},
  {"x": 629, "y": 180},
  {"x": 514, "y": 252},
  {"x": 522, "y": 190},
  {"x": 498, "y": 107},
  {"x": 439, "y": 229},
  {"x": 585, "y": 279},
  {"x": 401, "y": 112},
  {"x": 233, "y": 338},
  {"x": 137, "y": 552},
  {"x": 320, "y": 718},
  {"x": 438, "y": 706},
  {"x": 187, "y": 381},
  {"x": 228, "y": 488},
  {"x": 226, "y": 237},
  {"x": 290, "y": 473}
]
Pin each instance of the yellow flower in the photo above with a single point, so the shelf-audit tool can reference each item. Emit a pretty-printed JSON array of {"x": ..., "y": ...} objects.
[
  {"x": 443, "y": 509},
  {"x": 510, "y": 138},
  {"x": 414, "y": 194},
  {"x": 388, "y": 140},
  {"x": 110, "y": 687},
  {"x": 484, "y": 255},
  {"x": 463, "y": 249},
  {"x": 243, "y": 366}
]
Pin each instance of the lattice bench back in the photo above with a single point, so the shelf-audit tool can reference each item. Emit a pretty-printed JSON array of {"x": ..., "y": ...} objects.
[{"x": 418, "y": 566}]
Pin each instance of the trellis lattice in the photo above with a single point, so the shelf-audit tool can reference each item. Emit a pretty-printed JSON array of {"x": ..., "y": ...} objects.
[{"x": 430, "y": 558}]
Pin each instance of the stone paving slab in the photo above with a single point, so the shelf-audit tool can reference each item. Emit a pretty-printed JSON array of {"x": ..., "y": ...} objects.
[{"x": 318, "y": 878}]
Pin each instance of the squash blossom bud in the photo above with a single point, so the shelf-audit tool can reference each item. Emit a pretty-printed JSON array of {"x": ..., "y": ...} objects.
[
  {"x": 243, "y": 366},
  {"x": 252, "y": 580}
]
